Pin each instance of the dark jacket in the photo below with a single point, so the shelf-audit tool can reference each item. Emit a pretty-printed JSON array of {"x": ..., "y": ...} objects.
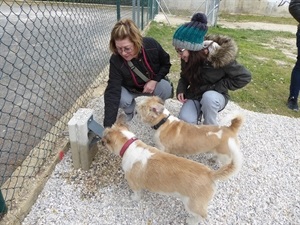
[
  {"x": 121, "y": 75},
  {"x": 294, "y": 9},
  {"x": 221, "y": 72}
]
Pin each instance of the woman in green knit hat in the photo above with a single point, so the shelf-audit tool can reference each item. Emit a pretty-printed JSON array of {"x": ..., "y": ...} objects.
[{"x": 208, "y": 70}]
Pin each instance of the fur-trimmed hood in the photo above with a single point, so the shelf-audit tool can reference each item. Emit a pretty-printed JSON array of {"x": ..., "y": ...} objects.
[
  {"x": 220, "y": 72},
  {"x": 222, "y": 50}
]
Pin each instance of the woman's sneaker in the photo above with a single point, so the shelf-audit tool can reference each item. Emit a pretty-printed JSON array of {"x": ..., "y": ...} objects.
[{"x": 292, "y": 104}]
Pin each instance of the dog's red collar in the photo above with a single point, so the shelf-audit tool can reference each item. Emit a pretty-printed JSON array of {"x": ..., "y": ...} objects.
[{"x": 126, "y": 145}]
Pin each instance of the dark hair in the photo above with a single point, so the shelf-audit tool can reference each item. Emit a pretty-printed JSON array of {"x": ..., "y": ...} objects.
[{"x": 195, "y": 62}]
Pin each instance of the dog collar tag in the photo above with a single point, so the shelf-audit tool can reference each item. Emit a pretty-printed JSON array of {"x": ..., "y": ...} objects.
[{"x": 126, "y": 145}]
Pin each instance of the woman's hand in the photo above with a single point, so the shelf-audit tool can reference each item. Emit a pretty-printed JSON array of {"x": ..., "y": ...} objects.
[
  {"x": 181, "y": 97},
  {"x": 150, "y": 86}
]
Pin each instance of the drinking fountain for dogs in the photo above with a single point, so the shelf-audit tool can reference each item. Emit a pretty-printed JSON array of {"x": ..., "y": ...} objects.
[{"x": 84, "y": 133}]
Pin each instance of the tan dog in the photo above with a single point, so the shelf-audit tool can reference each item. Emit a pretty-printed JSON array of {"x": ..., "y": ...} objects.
[
  {"x": 181, "y": 138},
  {"x": 147, "y": 168}
]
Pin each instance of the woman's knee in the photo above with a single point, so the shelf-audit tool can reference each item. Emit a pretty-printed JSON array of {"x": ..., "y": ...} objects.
[
  {"x": 163, "y": 89},
  {"x": 188, "y": 119},
  {"x": 189, "y": 111},
  {"x": 207, "y": 99},
  {"x": 126, "y": 98},
  {"x": 213, "y": 99}
]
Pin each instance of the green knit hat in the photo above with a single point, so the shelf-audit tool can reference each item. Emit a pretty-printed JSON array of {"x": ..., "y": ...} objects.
[{"x": 190, "y": 36}]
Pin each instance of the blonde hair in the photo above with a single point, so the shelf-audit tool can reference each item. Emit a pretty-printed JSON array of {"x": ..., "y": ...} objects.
[{"x": 125, "y": 28}]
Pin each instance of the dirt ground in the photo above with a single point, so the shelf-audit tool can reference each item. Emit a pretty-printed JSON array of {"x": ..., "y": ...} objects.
[
  {"x": 172, "y": 20},
  {"x": 258, "y": 26}
]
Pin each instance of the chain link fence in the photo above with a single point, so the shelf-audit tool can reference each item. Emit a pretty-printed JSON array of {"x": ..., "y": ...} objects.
[
  {"x": 187, "y": 8},
  {"x": 52, "y": 56}
]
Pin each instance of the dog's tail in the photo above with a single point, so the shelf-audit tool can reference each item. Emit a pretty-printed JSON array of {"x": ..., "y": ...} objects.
[
  {"x": 234, "y": 166},
  {"x": 236, "y": 123}
]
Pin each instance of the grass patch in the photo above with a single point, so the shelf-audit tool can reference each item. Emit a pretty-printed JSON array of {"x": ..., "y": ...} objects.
[
  {"x": 262, "y": 52},
  {"x": 253, "y": 18}
]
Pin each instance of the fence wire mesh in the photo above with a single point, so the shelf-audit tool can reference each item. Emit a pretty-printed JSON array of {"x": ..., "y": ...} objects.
[
  {"x": 52, "y": 55},
  {"x": 179, "y": 8}
]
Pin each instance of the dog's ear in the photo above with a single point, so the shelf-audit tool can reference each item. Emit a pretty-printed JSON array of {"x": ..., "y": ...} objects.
[
  {"x": 122, "y": 120},
  {"x": 158, "y": 108},
  {"x": 104, "y": 139},
  {"x": 159, "y": 100}
]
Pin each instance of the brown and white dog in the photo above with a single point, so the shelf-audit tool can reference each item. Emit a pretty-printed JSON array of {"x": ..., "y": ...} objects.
[
  {"x": 148, "y": 168},
  {"x": 181, "y": 138}
]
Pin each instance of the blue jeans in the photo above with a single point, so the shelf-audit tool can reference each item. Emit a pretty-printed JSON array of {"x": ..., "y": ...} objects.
[
  {"x": 163, "y": 90},
  {"x": 211, "y": 103},
  {"x": 295, "y": 76}
]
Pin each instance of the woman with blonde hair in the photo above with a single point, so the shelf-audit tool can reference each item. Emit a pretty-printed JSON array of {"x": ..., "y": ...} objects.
[{"x": 138, "y": 66}]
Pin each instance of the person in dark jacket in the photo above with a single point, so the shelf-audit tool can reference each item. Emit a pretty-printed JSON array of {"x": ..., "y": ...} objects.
[
  {"x": 292, "y": 102},
  {"x": 208, "y": 70},
  {"x": 124, "y": 85}
]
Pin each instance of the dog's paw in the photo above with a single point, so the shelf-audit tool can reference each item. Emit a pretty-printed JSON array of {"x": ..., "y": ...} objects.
[{"x": 136, "y": 195}]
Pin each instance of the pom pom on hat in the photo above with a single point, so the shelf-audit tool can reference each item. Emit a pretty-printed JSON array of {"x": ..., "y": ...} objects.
[
  {"x": 200, "y": 17},
  {"x": 190, "y": 36}
]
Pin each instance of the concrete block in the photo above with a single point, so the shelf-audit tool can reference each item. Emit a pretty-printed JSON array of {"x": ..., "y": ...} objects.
[{"x": 80, "y": 139}]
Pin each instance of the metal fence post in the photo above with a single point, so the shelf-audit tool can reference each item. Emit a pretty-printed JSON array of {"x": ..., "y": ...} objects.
[
  {"x": 138, "y": 9},
  {"x": 149, "y": 5},
  {"x": 155, "y": 8},
  {"x": 134, "y": 11},
  {"x": 142, "y": 22},
  {"x": 118, "y": 10}
]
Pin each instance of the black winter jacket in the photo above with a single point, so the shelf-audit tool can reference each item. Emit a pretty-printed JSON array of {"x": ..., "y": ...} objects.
[
  {"x": 221, "y": 72},
  {"x": 294, "y": 9},
  {"x": 121, "y": 75}
]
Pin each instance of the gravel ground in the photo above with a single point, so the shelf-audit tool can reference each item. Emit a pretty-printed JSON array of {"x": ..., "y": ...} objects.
[{"x": 266, "y": 191}]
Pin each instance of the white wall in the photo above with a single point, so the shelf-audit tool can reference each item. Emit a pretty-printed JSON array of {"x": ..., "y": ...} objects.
[{"x": 255, "y": 7}]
